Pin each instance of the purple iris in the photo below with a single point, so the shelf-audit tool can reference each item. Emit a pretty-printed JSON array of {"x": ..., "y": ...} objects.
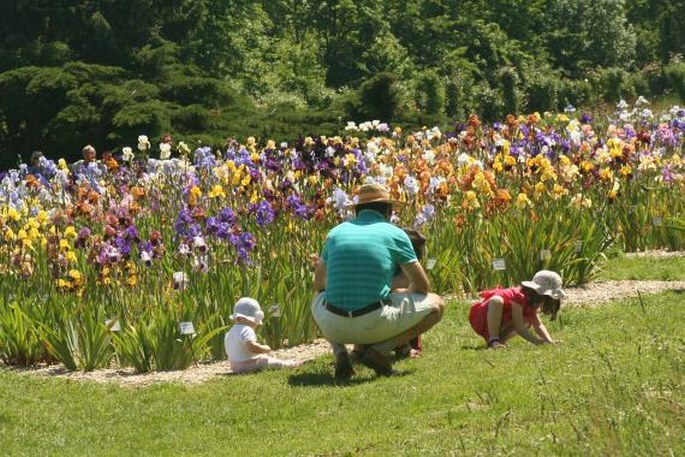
[
  {"x": 183, "y": 221},
  {"x": 82, "y": 237},
  {"x": 300, "y": 209},
  {"x": 204, "y": 158},
  {"x": 131, "y": 233},
  {"x": 223, "y": 230},
  {"x": 264, "y": 213},
  {"x": 123, "y": 245},
  {"x": 244, "y": 243}
]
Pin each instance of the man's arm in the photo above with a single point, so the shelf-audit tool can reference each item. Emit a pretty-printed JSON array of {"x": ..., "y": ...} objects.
[
  {"x": 418, "y": 280},
  {"x": 320, "y": 276}
]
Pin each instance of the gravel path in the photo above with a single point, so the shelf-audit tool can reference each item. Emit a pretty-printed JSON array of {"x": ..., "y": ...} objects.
[
  {"x": 591, "y": 294},
  {"x": 603, "y": 291}
]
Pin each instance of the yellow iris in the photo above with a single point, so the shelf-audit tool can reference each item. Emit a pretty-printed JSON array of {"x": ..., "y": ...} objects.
[
  {"x": 626, "y": 170},
  {"x": 350, "y": 160},
  {"x": 586, "y": 166},
  {"x": 12, "y": 215},
  {"x": 70, "y": 232},
  {"x": 522, "y": 200},
  {"x": 217, "y": 191},
  {"x": 606, "y": 174},
  {"x": 472, "y": 199},
  {"x": 75, "y": 275},
  {"x": 559, "y": 191}
]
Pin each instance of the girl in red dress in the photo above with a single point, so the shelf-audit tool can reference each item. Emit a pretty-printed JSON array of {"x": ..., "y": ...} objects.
[{"x": 502, "y": 313}]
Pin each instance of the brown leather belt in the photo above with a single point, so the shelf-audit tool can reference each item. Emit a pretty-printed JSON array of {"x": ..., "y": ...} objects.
[{"x": 355, "y": 312}]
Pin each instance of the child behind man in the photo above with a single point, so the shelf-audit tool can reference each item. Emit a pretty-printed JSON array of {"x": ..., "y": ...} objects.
[
  {"x": 244, "y": 353},
  {"x": 418, "y": 242}
]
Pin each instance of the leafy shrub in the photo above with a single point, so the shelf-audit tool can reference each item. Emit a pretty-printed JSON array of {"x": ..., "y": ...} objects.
[
  {"x": 576, "y": 92},
  {"x": 614, "y": 84},
  {"x": 430, "y": 92},
  {"x": 542, "y": 92},
  {"x": 675, "y": 76},
  {"x": 378, "y": 98},
  {"x": 509, "y": 82},
  {"x": 193, "y": 118},
  {"x": 489, "y": 104}
]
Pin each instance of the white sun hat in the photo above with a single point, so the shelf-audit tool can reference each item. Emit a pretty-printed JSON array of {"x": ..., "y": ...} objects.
[
  {"x": 546, "y": 282},
  {"x": 248, "y": 308}
]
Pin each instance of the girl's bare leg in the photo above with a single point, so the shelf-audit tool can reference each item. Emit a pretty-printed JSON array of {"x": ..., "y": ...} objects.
[
  {"x": 495, "y": 307},
  {"x": 507, "y": 332}
]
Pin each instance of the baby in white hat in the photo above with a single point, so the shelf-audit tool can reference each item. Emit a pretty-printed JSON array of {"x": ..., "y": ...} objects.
[{"x": 244, "y": 353}]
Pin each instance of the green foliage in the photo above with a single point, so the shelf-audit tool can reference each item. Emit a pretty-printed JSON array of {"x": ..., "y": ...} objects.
[
  {"x": 431, "y": 93},
  {"x": 20, "y": 339},
  {"x": 153, "y": 341},
  {"x": 206, "y": 65},
  {"x": 79, "y": 340},
  {"x": 675, "y": 75},
  {"x": 577, "y": 93},
  {"x": 491, "y": 106},
  {"x": 509, "y": 85},
  {"x": 378, "y": 98},
  {"x": 543, "y": 88},
  {"x": 614, "y": 83},
  {"x": 584, "y": 34}
]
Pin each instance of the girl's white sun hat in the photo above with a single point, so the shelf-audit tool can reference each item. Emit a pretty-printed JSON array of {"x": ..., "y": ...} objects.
[{"x": 546, "y": 282}]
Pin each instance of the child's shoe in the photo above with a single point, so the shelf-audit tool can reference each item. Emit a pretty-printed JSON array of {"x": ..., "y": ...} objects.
[{"x": 495, "y": 343}]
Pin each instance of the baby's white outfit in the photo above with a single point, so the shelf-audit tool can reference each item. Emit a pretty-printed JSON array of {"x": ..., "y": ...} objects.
[{"x": 241, "y": 359}]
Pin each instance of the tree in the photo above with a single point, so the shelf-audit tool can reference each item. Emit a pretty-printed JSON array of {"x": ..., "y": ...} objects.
[{"x": 584, "y": 34}]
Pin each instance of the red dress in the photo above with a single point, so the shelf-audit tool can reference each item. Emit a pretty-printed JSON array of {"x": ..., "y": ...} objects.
[{"x": 478, "y": 316}]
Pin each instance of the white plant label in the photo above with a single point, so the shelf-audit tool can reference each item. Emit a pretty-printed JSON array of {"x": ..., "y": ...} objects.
[
  {"x": 498, "y": 265},
  {"x": 578, "y": 246},
  {"x": 431, "y": 263},
  {"x": 275, "y": 310},
  {"x": 656, "y": 221},
  {"x": 545, "y": 254},
  {"x": 186, "y": 328},
  {"x": 113, "y": 325}
]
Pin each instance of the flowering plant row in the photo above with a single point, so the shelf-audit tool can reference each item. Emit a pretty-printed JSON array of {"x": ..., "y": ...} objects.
[{"x": 101, "y": 260}]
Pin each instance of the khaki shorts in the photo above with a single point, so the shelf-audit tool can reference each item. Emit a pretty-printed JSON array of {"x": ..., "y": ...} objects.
[{"x": 388, "y": 321}]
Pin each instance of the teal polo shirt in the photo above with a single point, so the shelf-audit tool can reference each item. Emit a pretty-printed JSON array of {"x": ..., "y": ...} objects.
[{"x": 362, "y": 257}]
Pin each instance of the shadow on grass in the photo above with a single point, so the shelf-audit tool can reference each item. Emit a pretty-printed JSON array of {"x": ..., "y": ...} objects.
[
  {"x": 319, "y": 378},
  {"x": 474, "y": 347}
]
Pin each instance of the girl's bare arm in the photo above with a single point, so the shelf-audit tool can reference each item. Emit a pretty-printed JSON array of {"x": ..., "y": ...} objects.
[
  {"x": 541, "y": 330},
  {"x": 520, "y": 324}
]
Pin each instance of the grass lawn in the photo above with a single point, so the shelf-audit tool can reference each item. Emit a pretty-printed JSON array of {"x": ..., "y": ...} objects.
[
  {"x": 662, "y": 269},
  {"x": 616, "y": 385}
]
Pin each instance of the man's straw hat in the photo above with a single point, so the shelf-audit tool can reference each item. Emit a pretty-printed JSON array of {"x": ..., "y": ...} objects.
[{"x": 374, "y": 193}]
